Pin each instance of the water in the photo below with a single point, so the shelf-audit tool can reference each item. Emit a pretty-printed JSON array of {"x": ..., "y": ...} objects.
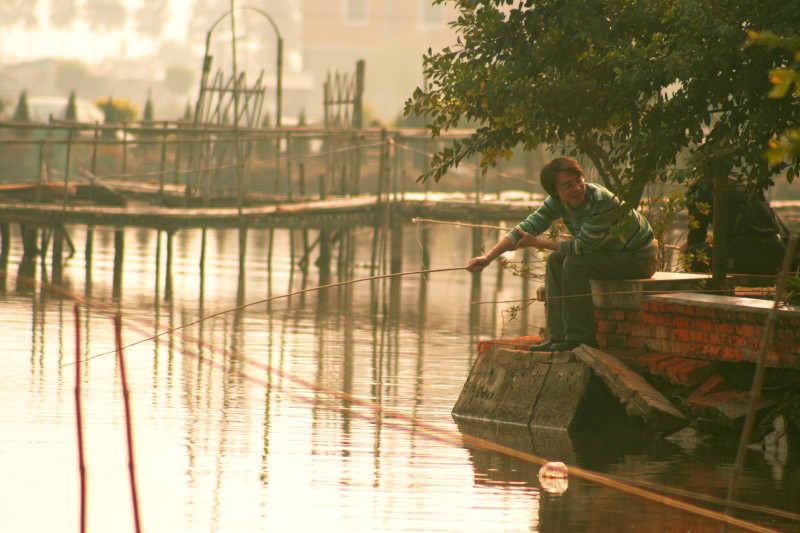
[{"x": 300, "y": 414}]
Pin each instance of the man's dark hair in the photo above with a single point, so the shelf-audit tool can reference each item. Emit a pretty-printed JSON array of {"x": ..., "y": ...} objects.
[{"x": 549, "y": 172}]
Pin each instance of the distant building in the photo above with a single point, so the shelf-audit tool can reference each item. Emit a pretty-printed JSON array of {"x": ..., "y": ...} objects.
[
  {"x": 390, "y": 35},
  {"x": 125, "y": 49}
]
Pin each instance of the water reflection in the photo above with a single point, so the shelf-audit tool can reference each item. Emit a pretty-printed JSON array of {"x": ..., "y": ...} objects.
[{"x": 247, "y": 420}]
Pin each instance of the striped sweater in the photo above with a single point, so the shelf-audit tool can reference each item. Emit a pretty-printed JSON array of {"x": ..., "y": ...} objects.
[{"x": 596, "y": 226}]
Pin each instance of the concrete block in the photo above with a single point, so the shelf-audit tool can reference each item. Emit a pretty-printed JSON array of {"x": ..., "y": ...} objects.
[
  {"x": 541, "y": 390},
  {"x": 639, "y": 398}
]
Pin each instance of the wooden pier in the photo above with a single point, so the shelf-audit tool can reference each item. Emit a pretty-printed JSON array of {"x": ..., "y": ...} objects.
[{"x": 360, "y": 210}]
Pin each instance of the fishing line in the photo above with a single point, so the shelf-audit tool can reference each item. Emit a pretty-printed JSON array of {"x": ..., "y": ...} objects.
[
  {"x": 394, "y": 419},
  {"x": 413, "y": 424},
  {"x": 265, "y": 300}
]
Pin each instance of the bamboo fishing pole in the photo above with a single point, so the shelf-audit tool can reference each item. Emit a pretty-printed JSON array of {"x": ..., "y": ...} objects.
[{"x": 416, "y": 220}]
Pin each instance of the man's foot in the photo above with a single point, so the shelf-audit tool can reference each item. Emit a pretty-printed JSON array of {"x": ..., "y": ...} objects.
[
  {"x": 546, "y": 346},
  {"x": 568, "y": 346}
]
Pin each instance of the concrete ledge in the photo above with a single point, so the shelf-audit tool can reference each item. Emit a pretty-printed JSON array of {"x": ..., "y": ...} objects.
[
  {"x": 628, "y": 293},
  {"x": 728, "y": 303}
]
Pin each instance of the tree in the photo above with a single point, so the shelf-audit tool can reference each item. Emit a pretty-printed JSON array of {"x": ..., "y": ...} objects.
[
  {"x": 648, "y": 90},
  {"x": 147, "y": 114},
  {"x": 72, "y": 111},
  {"x": 22, "y": 113}
]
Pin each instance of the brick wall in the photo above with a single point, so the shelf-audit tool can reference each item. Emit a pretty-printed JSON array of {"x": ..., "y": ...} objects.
[{"x": 701, "y": 326}]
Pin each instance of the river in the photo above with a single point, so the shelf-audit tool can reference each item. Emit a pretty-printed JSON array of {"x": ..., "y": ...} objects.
[{"x": 328, "y": 411}]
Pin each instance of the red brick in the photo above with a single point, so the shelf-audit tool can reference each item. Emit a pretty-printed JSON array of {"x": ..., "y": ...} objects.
[
  {"x": 602, "y": 340},
  {"x": 717, "y": 398},
  {"x": 681, "y": 334},
  {"x": 688, "y": 372},
  {"x": 711, "y": 385},
  {"x": 599, "y": 314},
  {"x": 650, "y": 319},
  {"x": 651, "y": 360},
  {"x": 616, "y": 314},
  {"x": 710, "y": 352},
  {"x": 675, "y": 308},
  {"x": 731, "y": 354},
  {"x": 604, "y": 326},
  {"x": 661, "y": 332},
  {"x": 705, "y": 325},
  {"x": 725, "y": 327},
  {"x": 634, "y": 343},
  {"x": 682, "y": 321},
  {"x": 616, "y": 342},
  {"x": 745, "y": 330},
  {"x": 698, "y": 336}
]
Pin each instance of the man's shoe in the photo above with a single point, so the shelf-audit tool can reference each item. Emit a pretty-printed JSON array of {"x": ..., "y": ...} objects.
[
  {"x": 546, "y": 346},
  {"x": 568, "y": 346}
]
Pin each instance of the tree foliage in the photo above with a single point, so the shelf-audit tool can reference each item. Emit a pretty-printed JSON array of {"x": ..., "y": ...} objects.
[
  {"x": 647, "y": 89},
  {"x": 786, "y": 83}
]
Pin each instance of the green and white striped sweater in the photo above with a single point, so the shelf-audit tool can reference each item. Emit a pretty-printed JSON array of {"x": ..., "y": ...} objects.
[{"x": 598, "y": 225}]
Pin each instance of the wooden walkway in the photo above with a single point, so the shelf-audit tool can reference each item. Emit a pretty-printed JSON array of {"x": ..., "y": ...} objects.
[{"x": 361, "y": 210}]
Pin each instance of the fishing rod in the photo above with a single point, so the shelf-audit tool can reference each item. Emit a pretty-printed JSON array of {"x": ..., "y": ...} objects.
[{"x": 416, "y": 220}]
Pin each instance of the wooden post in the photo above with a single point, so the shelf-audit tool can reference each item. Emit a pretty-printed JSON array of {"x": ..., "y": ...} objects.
[
  {"x": 40, "y": 171},
  {"x": 67, "y": 163},
  {"x": 301, "y": 170},
  {"x": 289, "y": 165},
  {"x": 719, "y": 256},
  {"x": 128, "y": 422},
  {"x": 396, "y": 253},
  {"x": 30, "y": 250},
  {"x": 88, "y": 258},
  {"x": 242, "y": 266},
  {"x": 124, "y": 150},
  {"x": 5, "y": 251},
  {"x": 168, "y": 268},
  {"x": 79, "y": 418},
  {"x": 58, "y": 253},
  {"x": 119, "y": 255},
  {"x": 162, "y": 166}
]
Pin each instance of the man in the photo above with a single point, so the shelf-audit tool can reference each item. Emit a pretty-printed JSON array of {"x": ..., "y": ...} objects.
[
  {"x": 756, "y": 236},
  {"x": 607, "y": 244}
]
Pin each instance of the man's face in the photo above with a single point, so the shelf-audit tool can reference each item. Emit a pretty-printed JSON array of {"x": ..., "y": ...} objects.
[{"x": 570, "y": 188}]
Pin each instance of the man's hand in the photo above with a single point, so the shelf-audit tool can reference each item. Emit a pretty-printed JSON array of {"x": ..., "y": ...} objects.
[{"x": 477, "y": 264}]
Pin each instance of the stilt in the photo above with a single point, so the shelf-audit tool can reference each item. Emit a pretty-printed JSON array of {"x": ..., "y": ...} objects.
[
  {"x": 5, "y": 251},
  {"x": 88, "y": 258},
  {"x": 396, "y": 253},
  {"x": 119, "y": 255},
  {"x": 242, "y": 259},
  {"x": 324, "y": 259},
  {"x": 58, "y": 254},
  {"x": 30, "y": 249},
  {"x": 168, "y": 268}
]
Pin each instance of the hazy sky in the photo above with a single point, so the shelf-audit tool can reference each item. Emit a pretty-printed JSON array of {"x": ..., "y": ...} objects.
[{"x": 19, "y": 44}]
